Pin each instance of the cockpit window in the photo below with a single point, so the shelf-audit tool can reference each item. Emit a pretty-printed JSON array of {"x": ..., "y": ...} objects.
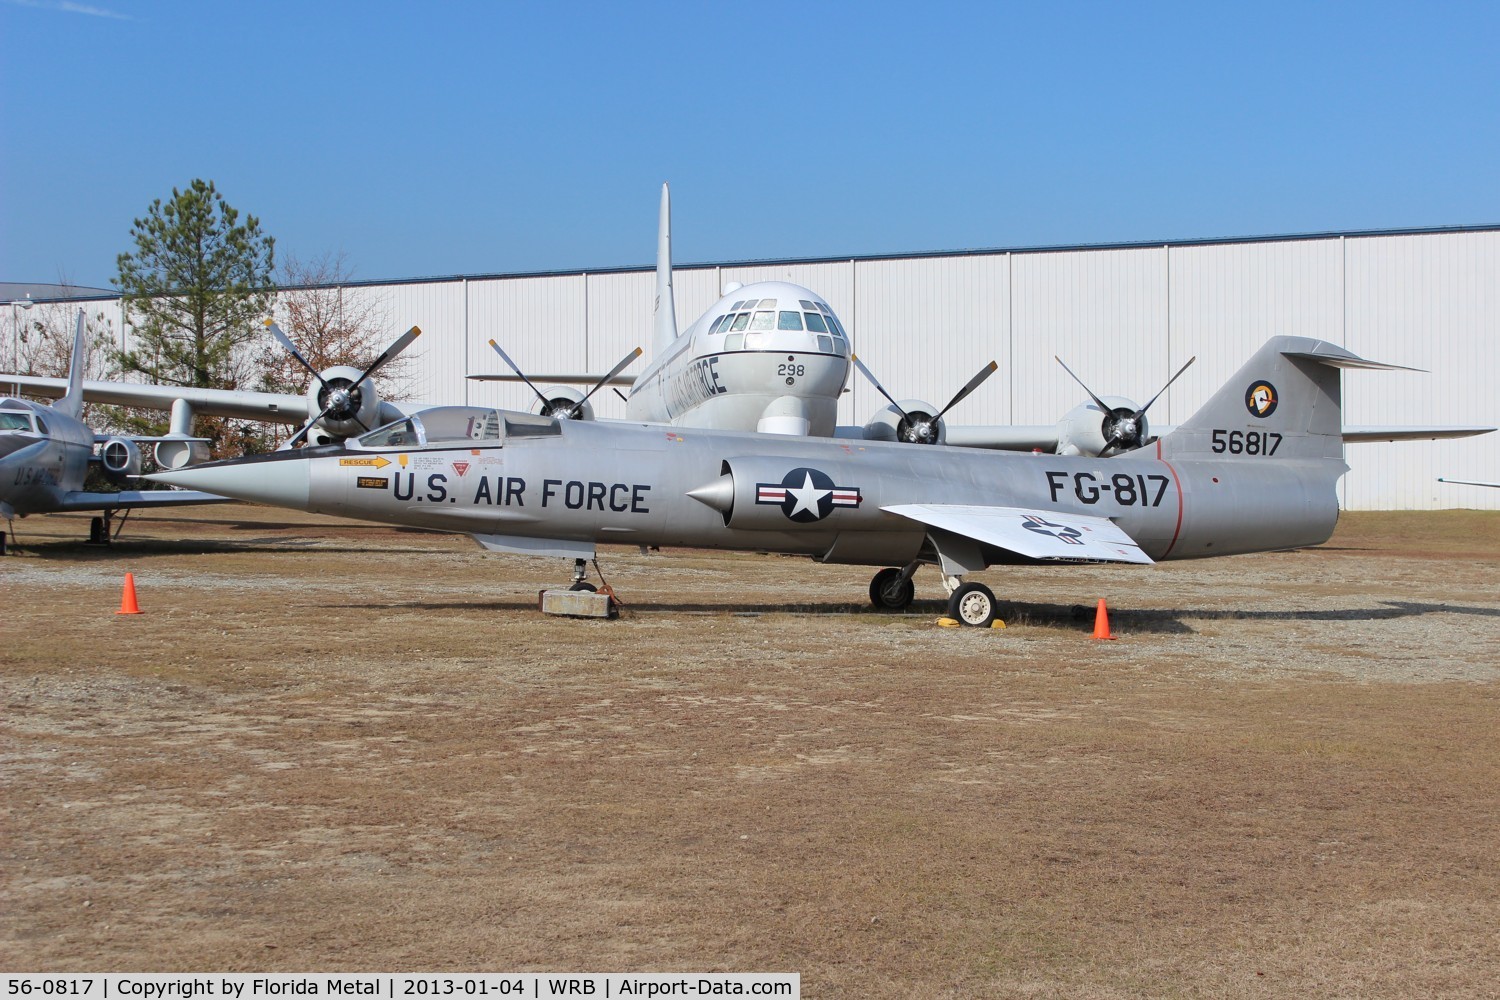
[
  {"x": 441, "y": 425},
  {"x": 10, "y": 420},
  {"x": 740, "y": 322},
  {"x": 789, "y": 319},
  {"x": 458, "y": 424},
  {"x": 764, "y": 320},
  {"x": 810, "y": 307},
  {"x": 815, "y": 322},
  {"x": 718, "y": 323},
  {"x": 402, "y": 434}
]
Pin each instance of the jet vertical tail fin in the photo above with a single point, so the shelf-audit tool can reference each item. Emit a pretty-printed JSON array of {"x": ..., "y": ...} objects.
[
  {"x": 72, "y": 401},
  {"x": 1284, "y": 403},
  {"x": 666, "y": 308}
]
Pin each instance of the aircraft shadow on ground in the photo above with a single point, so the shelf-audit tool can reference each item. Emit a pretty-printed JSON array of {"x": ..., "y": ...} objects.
[{"x": 1018, "y": 613}]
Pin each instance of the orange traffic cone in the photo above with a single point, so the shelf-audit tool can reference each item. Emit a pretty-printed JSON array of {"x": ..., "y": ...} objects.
[
  {"x": 1101, "y": 622},
  {"x": 127, "y": 600}
]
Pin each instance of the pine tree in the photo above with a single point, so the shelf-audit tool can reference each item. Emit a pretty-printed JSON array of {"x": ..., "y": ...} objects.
[{"x": 195, "y": 291}]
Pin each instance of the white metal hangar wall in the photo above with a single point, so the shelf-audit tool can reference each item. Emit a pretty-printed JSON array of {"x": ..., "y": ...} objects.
[{"x": 1124, "y": 317}]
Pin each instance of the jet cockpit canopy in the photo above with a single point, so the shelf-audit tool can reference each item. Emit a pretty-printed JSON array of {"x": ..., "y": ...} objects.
[{"x": 456, "y": 427}]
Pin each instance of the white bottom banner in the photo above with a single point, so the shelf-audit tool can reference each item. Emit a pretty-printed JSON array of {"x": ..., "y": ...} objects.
[{"x": 396, "y": 986}]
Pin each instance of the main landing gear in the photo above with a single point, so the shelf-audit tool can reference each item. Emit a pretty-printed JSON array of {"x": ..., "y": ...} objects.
[{"x": 970, "y": 604}]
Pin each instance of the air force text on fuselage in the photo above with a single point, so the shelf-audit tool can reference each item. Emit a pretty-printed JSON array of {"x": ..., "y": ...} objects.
[{"x": 513, "y": 491}]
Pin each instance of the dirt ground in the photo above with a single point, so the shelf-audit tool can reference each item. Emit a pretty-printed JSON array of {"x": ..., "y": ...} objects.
[{"x": 330, "y": 746}]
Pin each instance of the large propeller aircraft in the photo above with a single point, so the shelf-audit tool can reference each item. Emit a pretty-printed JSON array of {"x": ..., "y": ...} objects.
[
  {"x": 1254, "y": 469},
  {"x": 340, "y": 401},
  {"x": 770, "y": 356},
  {"x": 46, "y": 451}
]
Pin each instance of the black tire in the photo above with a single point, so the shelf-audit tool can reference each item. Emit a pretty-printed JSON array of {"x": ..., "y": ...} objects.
[
  {"x": 889, "y": 593},
  {"x": 585, "y": 586},
  {"x": 973, "y": 604}
]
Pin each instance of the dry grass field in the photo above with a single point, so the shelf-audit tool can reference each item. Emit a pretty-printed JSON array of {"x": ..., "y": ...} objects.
[{"x": 330, "y": 746}]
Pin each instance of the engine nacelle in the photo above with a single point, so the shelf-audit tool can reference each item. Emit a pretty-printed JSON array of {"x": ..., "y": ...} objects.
[
  {"x": 1082, "y": 432},
  {"x": 348, "y": 405},
  {"x": 562, "y": 398},
  {"x": 181, "y": 454},
  {"x": 120, "y": 458},
  {"x": 918, "y": 426}
]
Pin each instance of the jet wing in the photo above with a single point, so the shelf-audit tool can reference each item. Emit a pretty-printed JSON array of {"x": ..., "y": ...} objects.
[
  {"x": 79, "y": 500},
  {"x": 1031, "y": 533},
  {"x": 1006, "y": 437},
  {"x": 573, "y": 379},
  {"x": 276, "y": 406}
]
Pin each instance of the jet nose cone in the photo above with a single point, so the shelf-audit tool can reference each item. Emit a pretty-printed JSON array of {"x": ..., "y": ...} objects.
[{"x": 276, "y": 481}]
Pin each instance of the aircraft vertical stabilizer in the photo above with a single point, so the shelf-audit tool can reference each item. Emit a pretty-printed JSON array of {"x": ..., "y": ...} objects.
[
  {"x": 72, "y": 401},
  {"x": 666, "y": 308},
  {"x": 1284, "y": 403}
]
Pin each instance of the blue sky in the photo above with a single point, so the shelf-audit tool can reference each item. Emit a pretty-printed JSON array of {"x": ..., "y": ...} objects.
[{"x": 469, "y": 138}]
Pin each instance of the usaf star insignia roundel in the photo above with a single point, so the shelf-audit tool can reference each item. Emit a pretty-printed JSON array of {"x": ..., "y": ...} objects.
[{"x": 806, "y": 495}]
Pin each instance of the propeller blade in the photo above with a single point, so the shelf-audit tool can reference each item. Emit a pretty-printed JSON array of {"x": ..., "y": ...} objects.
[
  {"x": 573, "y": 410},
  {"x": 1097, "y": 401},
  {"x": 515, "y": 368},
  {"x": 1142, "y": 411},
  {"x": 303, "y": 432},
  {"x": 876, "y": 383},
  {"x": 974, "y": 383},
  {"x": 389, "y": 354},
  {"x": 286, "y": 342}
]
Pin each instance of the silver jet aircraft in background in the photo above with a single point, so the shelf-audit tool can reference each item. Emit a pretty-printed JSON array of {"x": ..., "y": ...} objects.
[
  {"x": 46, "y": 451},
  {"x": 1254, "y": 469}
]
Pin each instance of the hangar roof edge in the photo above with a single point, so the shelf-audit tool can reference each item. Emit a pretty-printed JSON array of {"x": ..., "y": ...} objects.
[{"x": 867, "y": 258}]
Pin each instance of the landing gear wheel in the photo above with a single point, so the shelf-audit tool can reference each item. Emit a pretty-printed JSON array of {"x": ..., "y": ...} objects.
[
  {"x": 99, "y": 531},
  {"x": 972, "y": 604},
  {"x": 584, "y": 585},
  {"x": 889, "y": 592}
]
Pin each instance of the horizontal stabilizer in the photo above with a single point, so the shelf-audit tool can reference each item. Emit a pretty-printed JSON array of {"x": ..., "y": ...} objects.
[
  {"x": 1337, "y": 357},
  {"x": 1362, "y": 434},
  {"x": 1030, "y": 533}
]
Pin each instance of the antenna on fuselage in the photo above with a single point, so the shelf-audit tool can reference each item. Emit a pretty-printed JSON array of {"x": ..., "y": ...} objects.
[{"x": 666, "y": 308}]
